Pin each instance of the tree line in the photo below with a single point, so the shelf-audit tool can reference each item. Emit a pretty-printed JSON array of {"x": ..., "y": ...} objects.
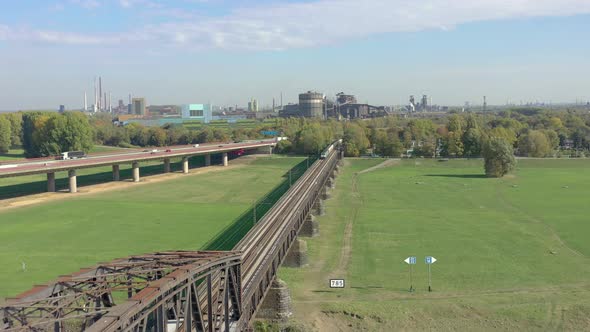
[{"x": 528, "y": 132}]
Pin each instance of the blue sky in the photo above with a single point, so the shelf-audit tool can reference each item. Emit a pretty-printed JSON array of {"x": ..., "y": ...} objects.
[{"x": 225, "y": 52}]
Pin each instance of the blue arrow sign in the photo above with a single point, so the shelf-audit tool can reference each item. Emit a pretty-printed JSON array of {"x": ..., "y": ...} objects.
[
  {"x": 410, "y": 260},
  {"x": 430, "y": 260}
]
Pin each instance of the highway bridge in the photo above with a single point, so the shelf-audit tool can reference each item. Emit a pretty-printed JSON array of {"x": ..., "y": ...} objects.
[
  {"x": 50, "y": 167},
  {"x": 177, "y": 290}
]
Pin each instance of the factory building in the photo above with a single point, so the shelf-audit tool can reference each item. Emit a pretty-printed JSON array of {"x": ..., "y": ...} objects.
[
  {"x": 290, "y": 111},
  {"x": 201, "y": 112},
  {"x": 342, "y": 98},
  {"x": 138, "y": 105},
  {"x": 311, "y": 104}
]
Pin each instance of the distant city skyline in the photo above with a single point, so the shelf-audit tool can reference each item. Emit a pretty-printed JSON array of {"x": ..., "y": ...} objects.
[{"x": 228, "y": 52}]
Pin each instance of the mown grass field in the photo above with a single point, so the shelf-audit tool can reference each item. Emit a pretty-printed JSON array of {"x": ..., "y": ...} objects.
[
  {"x": 12, "y": 154},
  {"x": 513, "y": 253},
  {"x": 182, "y": 213}
]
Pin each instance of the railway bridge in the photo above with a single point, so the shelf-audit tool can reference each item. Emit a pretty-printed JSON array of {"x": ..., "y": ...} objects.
[{"x": 178, "y": 290}]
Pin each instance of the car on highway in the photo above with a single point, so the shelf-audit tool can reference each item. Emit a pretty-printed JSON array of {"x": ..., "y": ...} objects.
[
  {"x": 146, "y": 150},
  {"x": 168, "y": 150},
  {"x": 196, "y": 145},
  {"x": 154, "y": 151}
]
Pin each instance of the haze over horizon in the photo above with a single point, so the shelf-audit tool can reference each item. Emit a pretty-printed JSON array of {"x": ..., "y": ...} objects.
[{"x": 225, "y": 52}]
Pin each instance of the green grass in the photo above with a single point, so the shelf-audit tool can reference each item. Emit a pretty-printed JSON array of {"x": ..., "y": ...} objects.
[
  {"x": 512, "y": 253},
  {"x": 63, "y": 236},
  {"x": 12, "y": 154}
]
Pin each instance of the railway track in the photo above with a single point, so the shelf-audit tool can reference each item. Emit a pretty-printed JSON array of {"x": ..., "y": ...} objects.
[{"x": 264, "y": 248}]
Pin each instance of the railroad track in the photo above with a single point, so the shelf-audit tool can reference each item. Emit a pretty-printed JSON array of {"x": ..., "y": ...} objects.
[{"x": 265, "y": 246}]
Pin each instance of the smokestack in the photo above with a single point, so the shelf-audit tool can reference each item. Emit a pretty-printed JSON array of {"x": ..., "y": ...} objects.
[
  {"x": 95, "y": 97},
  {"x": 110, "y": 108},
  {"x": 85, "y": 102},
  {"x": 100, "y": 105}
]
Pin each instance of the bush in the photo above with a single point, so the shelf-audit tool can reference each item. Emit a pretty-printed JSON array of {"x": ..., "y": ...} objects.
[{"x": 498, "y": 157}]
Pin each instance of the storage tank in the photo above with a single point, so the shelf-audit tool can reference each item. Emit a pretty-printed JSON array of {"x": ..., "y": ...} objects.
[{"x": 311, "y": 104}]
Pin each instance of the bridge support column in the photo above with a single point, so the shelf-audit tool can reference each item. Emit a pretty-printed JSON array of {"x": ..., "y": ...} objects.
[
  {"x": 73, "y": 181},
  {"x": 310, "y": 227},
  {"x": 207, "y": 160},
  {"x": 167, "y": 165},
  {"x": 324, "y": 194},
  {"x": 225, "y": 162},
  {"x": 51, "y": 182},
  {"x": 185, "y": 165},
  {"x": 297, "y": 254},
  {"x": 135, "y": 167},
  {"x": 318, "y": 208},
  {"x": 330, "y": 183},
  {"x": 116, "y": 173},
  {"x": 270, "y": 150},
  {"x": 277, "y": 303}
]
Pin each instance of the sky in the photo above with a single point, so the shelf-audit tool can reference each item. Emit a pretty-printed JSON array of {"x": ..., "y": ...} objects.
[{"x": 225, "y": 52}]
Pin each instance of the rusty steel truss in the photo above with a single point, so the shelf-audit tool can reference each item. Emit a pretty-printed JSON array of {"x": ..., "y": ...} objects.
[{"x": 164, "y": 291}]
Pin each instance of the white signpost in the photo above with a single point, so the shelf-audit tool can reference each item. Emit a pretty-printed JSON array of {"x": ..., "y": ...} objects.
[
  {"x": 411, "y": 261},
  {"x": 429, "y": 261}
]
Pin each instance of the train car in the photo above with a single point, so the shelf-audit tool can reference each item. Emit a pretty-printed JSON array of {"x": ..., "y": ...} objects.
[{"x": 329, "y": 149}]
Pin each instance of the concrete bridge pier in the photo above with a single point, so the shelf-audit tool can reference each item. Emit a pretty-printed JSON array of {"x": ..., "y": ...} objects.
[
  {"x": 135, "y": 167},
  {"x": 330, "y": 183},
  {"x": 51, "y": 182},
  {"x": 310, "y": 227},
  {"x": 116, "y": 173},
  {"x": 324, "y": 195},
  {"x": 318, "y": 208},
  {"x": 73, "y": 181},
  {"x": 185, "y": 165},
  {"x": 225, "y": 160},
  {"x": 207, "y": 160},
  {"x": 277, "y": 303},
  {"x": 270, "y": 149},
  {"x": 167, "y": 165},
  {"x": 297, "y": 254}
]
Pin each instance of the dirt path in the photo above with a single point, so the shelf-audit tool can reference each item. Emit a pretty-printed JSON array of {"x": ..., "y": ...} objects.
[
  {"x": 346, "y": 250},
  {"x": 387, "y": 163},
  {"x": 119, "y": 185}
]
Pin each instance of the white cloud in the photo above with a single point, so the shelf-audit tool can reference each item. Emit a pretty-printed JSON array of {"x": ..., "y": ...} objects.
[{"x": 296, "y": 25}]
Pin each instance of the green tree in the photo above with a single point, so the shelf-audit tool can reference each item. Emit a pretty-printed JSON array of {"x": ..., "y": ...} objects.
[
  {"x": 157, "y": 136},
  {"x": 498, "y": 157},
  {"x": 472, "y": 142},
  {"x": 534, "y": 144},
  {"x": 356, "y": 136},
  {"x": 16, "y": 128},
  {"x": 5, "y": 134}
]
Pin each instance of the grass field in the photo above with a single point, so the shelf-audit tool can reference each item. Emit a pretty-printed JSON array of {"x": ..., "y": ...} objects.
[
  {"x": 12, "y": 155},
  {"x": 182, "y": 213},
  {"x": 513, "y": 253}
]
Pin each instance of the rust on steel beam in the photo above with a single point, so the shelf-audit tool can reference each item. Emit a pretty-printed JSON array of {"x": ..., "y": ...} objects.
[{"x": 155, "y": 291}]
